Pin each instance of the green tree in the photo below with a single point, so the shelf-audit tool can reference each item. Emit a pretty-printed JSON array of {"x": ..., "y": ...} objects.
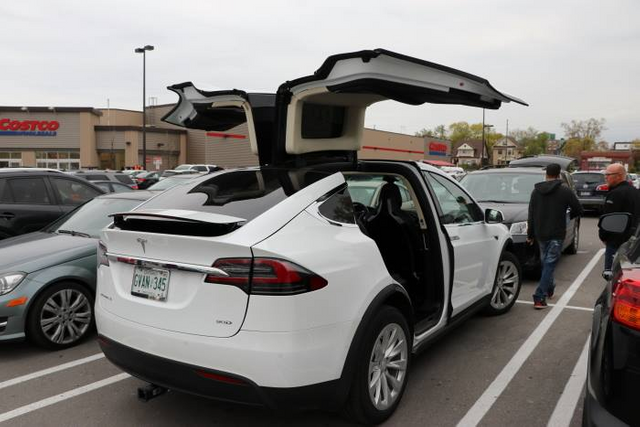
[
  {"x": 460, "y": 131},
  {"x": 533, "y": 141},
  {"x": 582, "y": 135},
  {"x": 439, "y": 131}
]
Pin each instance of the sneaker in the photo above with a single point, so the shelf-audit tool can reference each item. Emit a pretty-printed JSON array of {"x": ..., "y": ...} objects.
[{"x": 539, "y": 305}]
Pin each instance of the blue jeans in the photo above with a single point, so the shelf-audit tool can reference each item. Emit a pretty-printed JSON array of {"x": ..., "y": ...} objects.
[
  {"x": 549, "y": 255},
  {"x": 609, "y": 253}
]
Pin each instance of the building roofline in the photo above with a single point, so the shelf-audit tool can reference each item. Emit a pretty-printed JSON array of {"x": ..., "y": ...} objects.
[
  {"x": 120, "y": 109},
  {"x": 51, "y": 109},
  {"x": 139, "y": 128}
]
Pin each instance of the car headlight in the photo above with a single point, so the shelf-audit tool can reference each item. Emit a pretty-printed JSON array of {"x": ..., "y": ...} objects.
[
  {"x": 8, "y": 281},
  {"x": 519, "y": 228}
]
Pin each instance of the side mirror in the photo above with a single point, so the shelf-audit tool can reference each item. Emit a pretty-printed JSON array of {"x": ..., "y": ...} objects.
[
  {"x": 493, "y": 216},
  {"x": 616, "y": 222}
]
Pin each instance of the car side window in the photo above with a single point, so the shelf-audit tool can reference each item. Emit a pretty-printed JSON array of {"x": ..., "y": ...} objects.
[
  {"x": 126, "y": 179},
  {"x": 456, "y": 206},
  {"x": 32, "y": 191},
  {"x": 96, "y": 177},
  {"x": 5, "y": 194},
  {"x": 338, "y": 207},
  {"x": 72, "y": 192}
]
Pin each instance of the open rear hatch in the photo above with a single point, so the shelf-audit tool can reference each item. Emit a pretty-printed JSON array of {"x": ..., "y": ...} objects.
[{"x": 321, "y": 116}]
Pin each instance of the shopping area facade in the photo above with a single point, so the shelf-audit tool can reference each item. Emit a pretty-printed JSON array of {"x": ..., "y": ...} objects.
[{"x": 72, "y": 138}]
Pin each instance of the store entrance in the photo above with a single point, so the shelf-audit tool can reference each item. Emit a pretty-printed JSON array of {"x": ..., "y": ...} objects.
[{"x": 112, "y": 160}]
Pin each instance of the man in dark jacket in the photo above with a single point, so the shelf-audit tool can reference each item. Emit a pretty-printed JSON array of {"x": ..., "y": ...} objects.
[
  {"x": 621, "y": 197},
  {"x": 547, "y": 224}
]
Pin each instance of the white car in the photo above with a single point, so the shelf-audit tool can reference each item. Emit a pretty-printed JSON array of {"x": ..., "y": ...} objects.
[{"x": 269, "y": 285}]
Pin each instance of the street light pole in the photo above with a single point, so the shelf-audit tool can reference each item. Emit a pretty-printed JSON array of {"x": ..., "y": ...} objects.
[{"x": 143, "y": 51}]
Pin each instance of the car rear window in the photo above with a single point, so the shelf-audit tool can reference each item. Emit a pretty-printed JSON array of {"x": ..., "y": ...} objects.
[
  {"x": 243, "y": 194},
  {"x": 95, "y": 177},
  {"x": 588, "y": 178},
  {"x": 125, "y": 179}
]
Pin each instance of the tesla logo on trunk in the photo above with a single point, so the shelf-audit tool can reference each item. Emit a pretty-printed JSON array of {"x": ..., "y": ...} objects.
[{"x": 143, "y": 242}]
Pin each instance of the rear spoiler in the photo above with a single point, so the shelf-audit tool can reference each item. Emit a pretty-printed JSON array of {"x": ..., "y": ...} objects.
[{"x": 181, "y": 215}]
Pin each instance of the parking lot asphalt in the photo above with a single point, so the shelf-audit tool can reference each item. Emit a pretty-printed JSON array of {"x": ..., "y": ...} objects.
[{"x": 525, "y": 368}]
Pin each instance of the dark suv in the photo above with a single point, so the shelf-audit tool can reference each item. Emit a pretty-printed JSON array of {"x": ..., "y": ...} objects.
[
  {"x": 614, "y": 354},
  {"x": 32, "y": 198},
  {"x": 588, "y": 191}
]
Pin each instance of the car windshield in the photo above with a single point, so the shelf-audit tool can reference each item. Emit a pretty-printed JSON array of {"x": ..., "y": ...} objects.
[
  {"x": 92, "y": 217},
  {"x": 182, "y": 167},
  {"x": 502, "y": 187},
  {"x": 588, "y": 178}
]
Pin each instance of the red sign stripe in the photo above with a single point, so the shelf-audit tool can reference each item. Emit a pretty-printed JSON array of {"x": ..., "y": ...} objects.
[
  {"x": 397, "y": 150},
  {"x": 225, "y": 135}
]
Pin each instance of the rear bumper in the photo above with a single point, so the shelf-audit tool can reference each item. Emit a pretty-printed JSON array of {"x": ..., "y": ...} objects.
[
  {"x": 591, "y": 202},
  {"x": 218, "y": 385},
  {"x": 283, "y": 362},
  {"x": 595, "y": 415}
]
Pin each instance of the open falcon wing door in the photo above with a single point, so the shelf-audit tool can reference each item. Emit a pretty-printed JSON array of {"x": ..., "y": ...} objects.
[
  {"x": 324, "y": 112},
  {"x": 320, "y": 117},
  {"x": 224, "y": 110}
]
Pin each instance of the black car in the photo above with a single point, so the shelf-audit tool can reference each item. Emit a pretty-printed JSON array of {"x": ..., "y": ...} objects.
[
  {"x": 591, "y": 189},
  {"x": 614, "y": 354},
  {"x": 32, "y": 198},
  {"x": 509, "y": 190},
  {"x": 147, "y": 179}
]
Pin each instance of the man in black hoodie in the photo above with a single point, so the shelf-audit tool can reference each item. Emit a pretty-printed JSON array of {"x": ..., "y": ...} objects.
[
  {"x": 547, "y": 224},
  {"x": 621, "y": 197}
]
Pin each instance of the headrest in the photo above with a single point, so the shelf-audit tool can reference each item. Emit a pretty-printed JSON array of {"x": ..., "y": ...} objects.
[{"x": 390, "y": 197}]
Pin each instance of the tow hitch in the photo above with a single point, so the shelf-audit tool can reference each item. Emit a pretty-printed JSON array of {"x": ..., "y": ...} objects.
[{"x": 150, "y": 391}]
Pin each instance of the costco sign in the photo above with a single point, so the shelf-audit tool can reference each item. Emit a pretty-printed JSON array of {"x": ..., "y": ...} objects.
[
  {"x": 28, "y": 127},
  {"x": 437, "y": 149}
]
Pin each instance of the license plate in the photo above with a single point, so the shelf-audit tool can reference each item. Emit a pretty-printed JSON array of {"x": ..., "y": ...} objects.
[
  {"x": 585, "y": 193},
  {"x": 150, "y": 283}
]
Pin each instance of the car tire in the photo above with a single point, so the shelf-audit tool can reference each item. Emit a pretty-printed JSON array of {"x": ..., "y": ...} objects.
[
  {"x": 572, "y": 249},
  {"x": 506, "y": 286},
  {"x": 374, "y": 404},
  {"x": 61, "y": 316}
]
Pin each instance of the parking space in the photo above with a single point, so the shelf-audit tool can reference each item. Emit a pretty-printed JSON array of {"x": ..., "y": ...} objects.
[{"x": 527, "y": 356}]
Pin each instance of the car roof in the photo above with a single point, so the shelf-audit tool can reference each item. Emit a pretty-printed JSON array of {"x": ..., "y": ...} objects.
[
  {"x": 579, "y": 172},
  {"x": 32, "y": 170},
  {"x": 131, "y": 195},
  {"x": 542, "y": 161},
  {"x": 513, "y": 170}
]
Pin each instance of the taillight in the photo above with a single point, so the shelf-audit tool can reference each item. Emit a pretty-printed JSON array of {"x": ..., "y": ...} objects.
[
  {"x": 102, "y": 254},
  {"x": 266, "y": 276},
  {"x": 135, "y": 187},
  {"x": 626, "y": 299},
  {"x": 602, "y": 187}
]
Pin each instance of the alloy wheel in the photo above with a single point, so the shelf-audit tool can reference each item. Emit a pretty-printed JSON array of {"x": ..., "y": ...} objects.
[
  {"x": 507, "y": 282},
  {"x": 65, "y": 316},
  {"x": 388, "y": 366}
]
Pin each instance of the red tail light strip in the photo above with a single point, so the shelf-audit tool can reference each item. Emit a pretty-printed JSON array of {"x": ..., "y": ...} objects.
[
  {"x": 626, "y": 299},
  {"x": 266, "y": 276}
]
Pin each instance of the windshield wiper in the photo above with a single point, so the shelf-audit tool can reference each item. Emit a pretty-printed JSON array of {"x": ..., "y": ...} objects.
[{"x": 74, "y": 233}]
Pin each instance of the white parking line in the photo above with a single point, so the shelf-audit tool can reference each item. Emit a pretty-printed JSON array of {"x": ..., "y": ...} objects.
[
  {"x": 63, "y": 396},
  {"x": 495, "y": 389},
  {"x": 566, "y": 406},
  {"x": 23, "y": 378},
  {"x": 572, "y": 307}
]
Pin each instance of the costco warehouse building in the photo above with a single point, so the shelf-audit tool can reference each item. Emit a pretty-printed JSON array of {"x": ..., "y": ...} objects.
[{"x": 86, "y": 137}]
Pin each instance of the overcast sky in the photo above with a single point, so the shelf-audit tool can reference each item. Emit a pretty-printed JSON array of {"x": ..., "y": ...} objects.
[{"x": 570, "y": 60}]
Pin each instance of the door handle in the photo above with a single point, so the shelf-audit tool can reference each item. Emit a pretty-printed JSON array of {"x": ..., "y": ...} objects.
[{"x": 7, "y": 215}]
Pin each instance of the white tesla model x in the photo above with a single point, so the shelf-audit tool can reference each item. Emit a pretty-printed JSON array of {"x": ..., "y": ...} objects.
[{"x": 308, "y": 281}]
